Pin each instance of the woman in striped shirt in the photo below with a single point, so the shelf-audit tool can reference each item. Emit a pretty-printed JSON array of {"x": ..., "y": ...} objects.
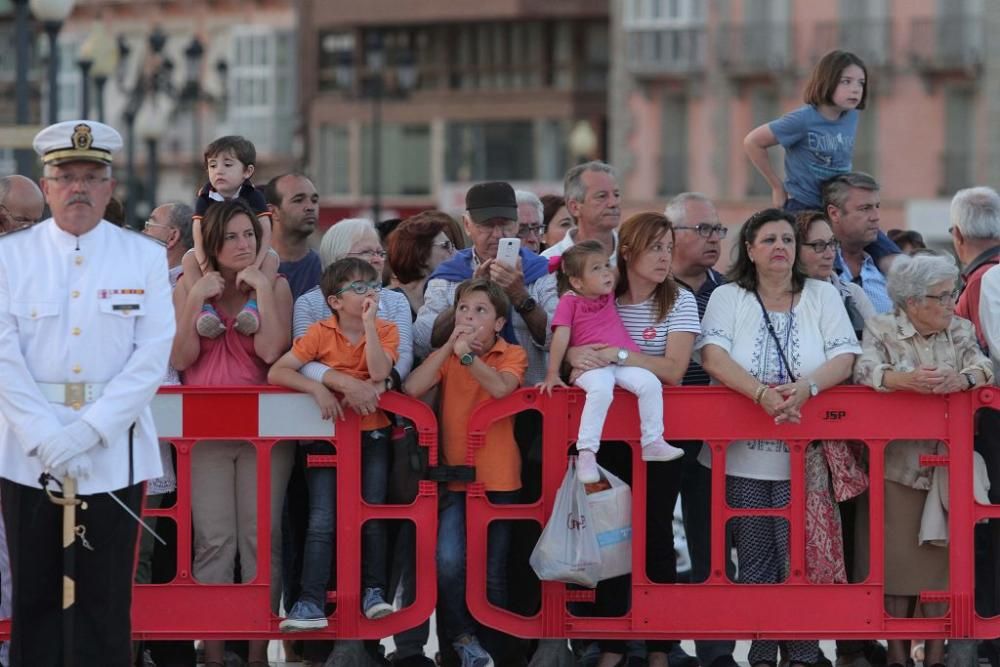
[{"x": 662, "y": 320}]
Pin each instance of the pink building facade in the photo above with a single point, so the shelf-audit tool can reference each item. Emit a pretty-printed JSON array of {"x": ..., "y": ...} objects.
[{"x": 690, "y": 78}]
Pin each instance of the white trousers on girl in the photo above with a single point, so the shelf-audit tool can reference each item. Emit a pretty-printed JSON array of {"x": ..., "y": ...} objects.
[{"x": 599, "y": 384}]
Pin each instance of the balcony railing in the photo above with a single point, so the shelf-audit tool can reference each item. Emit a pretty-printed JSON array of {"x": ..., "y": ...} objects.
[
  {"x": 755, "y": 48},
  {"x": 666, "y": 51},
  {"x": 947, "y": 43},
  {"x": 870, "y": 39}
]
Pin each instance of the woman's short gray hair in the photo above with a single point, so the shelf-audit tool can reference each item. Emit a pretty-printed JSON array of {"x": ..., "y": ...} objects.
[
  {"x": 340, "y": 237},
  {"x": 910, "y": 277}
]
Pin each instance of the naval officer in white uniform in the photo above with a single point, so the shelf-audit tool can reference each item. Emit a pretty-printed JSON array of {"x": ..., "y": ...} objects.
[{"x": 86, "y": 325}]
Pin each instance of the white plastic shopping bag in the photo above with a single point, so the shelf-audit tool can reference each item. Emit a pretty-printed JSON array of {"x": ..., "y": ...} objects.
[
  {"x": 568, "y": 551},
  {"x": 611, "y": 518}
]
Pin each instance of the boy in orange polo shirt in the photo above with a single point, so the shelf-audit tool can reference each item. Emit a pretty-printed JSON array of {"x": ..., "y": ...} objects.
[
  {"x": 354, "y": 342},
  {"x": 473, "y": 366}
]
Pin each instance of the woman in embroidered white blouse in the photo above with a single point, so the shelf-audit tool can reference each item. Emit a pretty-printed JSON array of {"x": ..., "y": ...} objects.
[{"x": 778, "y": 338}]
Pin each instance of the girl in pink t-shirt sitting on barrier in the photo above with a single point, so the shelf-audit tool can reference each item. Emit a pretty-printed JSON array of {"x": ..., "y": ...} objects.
[{"x": 586, "y": 314}]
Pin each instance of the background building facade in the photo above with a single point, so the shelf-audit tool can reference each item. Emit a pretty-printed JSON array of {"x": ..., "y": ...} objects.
[
  {"x": 690, "y": 78},
  {"x": 441, "y": 93}
]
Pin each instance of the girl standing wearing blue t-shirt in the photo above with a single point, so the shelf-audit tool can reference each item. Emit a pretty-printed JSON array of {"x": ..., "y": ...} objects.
[{"x": 818, "y": 137}]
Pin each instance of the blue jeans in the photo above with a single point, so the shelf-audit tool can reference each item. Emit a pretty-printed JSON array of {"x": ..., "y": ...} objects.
[
  {"x": 453, "y": 612},
  {"x": 322, "y": 483}
]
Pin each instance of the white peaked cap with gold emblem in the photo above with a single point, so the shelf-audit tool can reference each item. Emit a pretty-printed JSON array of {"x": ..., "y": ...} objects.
[{"x": 77, "y": 140}]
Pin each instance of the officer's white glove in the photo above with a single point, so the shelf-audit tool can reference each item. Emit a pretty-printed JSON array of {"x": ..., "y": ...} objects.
[
  {"x": 78, "y": 468},
  {"x": 72, "y": 440}
]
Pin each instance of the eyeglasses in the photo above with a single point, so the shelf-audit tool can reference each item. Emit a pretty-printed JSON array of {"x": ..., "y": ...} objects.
[
  {"x": 705, "y": 230},
  {"x": 368, "y": 253},
  {"x": 19, "y": 220},
  {"x": 150, "y": 224},
  {"x": 945, "y": 298},
  {"x": 446, "y": 245},
  {"x": 819, "y": 247},
  {"x": 527, "y": 230},
  {"x": 67, "y": 180},
  {"x": 360, "y": 287}
]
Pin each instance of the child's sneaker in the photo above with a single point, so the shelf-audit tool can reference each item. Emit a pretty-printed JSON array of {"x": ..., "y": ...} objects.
[
  {"x": 586, "y": 467},
  {"x": 374, "y": 604},
  {"x": 471, "y": 653},
  {"x": 248, "y": 320},
  {"x": 208, "y": 324},
  {"x": 304, "y": 616},
  {"x": 661, "y": 451}
]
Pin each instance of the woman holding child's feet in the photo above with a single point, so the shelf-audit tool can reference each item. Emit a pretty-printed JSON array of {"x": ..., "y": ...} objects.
[{"x": 224, "y": 473}]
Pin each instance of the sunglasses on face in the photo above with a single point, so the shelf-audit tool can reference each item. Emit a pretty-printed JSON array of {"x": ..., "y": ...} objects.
[{"x": 360, "y": 287}]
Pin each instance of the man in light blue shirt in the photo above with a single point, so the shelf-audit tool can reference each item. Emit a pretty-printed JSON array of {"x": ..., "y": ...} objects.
[{"x": 851, "y": 202}]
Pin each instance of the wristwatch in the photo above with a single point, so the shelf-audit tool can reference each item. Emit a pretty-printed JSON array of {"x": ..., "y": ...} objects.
[
  {"x": 622, "y": 356},
  {"x": 813, "y": 388},
  {"x": 970, "y": 378},
  {"x": 466, "y": 359},
  {"x": 526, "y": 306}
]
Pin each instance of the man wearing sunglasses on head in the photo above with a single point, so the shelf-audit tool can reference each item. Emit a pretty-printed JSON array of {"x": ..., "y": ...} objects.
[
  {"x": 170, "y": 224},
  {"x": 21, "y": 202}
]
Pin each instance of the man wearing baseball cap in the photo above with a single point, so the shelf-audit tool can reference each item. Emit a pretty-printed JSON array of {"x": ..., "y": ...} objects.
[
  {"x": 86, "y": 325},
  {"x": 491, "y": 214}
]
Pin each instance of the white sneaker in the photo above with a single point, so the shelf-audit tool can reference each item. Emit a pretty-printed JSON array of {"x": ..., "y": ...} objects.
[
  {"x": 661, "y": 451},
  {"x": 586, "y": 467}
]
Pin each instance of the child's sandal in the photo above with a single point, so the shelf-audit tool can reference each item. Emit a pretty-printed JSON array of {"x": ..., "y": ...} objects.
[
  {"x": 209, "y": 324},
  {"x": 248, "y": 319}
]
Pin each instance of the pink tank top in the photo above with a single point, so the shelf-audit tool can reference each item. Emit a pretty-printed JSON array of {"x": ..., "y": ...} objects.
[{"x": 227, "y": 360}]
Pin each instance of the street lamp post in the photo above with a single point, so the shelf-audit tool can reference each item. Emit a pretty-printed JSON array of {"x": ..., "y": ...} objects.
[
  {"x": 23, "y": 157},
  {"x": 193, "y": 98},
  {"x": 105, "y": 55},
  {"x": 402, "y": 72},
  {"x": 84, "y": 64},
  {"x": 98, "y": 59},
  {"x": 151, "y": 125},
  {"x": 375, "y": 59},
  {"x": 52, "y": 13},
  {"x": 153, "y": 76}
]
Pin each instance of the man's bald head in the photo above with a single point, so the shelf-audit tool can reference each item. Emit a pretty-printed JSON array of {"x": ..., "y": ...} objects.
[{"x": 21, "y": 202}]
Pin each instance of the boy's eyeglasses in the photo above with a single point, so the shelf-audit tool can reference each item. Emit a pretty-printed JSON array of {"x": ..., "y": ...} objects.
[
  {"x": 360, "y": 287},
  {"x": 705, "y": 230},
  {"x": 819, "y": 247},
  {"x": 946, "y": 298}
]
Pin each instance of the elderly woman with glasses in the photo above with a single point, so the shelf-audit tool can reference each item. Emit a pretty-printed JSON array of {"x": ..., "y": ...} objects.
[
  {"x": 778, "y": 338},
  {"x": 416, "y": 247},
  {"x": 922, "y": 346}
]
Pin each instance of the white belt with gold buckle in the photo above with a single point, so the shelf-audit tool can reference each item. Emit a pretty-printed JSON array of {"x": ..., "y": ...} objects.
[{"x": 71, "y": 394}]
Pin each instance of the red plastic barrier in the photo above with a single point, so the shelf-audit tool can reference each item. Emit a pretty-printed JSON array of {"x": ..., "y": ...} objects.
[
  {"x": 265, "y": 416},
  {"x": 719, "y": 608}
]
